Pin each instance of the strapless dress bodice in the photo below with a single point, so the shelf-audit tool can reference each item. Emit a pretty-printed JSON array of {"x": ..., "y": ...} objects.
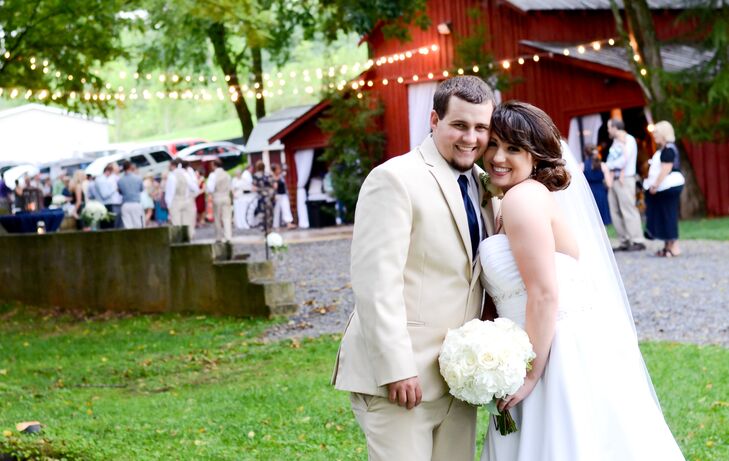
[{"x": 501, "y": 279}]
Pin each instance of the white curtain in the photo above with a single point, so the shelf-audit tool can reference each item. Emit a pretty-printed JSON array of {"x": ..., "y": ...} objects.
[
  {"x": 420, "y": 105},
  {"x": 304, "y": 160},
  {"x": 590, "y": 126}
]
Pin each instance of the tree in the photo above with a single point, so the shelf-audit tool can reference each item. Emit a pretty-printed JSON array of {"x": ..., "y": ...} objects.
[
  {"x": 473, "y": 54},
  {"x": 694, "y": 100},
  {"x": 355, "y": 144},
  {"x": 240, "y": 35},
  {"x": 234, "y": 34},
  {"x": 48, "y": 45},
  {"x": 364, "y": 16}
]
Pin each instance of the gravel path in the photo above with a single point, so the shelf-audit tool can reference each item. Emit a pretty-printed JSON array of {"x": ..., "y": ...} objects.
[{"x": 684, "y": 299}]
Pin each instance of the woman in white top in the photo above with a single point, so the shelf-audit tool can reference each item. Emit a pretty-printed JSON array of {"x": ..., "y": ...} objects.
[{"x": 663, "y": 186}]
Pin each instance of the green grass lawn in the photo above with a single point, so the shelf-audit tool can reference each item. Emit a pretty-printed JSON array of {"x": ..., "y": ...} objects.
[
  {"x": 696, "y": 229},
  {"x": 202, "y": 388}
]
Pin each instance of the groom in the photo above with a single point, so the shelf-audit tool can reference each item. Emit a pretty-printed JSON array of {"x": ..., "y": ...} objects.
[{"x": 415, "y": 274}]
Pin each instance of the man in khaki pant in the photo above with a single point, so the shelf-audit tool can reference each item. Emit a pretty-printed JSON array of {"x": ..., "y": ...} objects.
[
  {"x": 415, "y": 274},
  {"x": 178, "y": 191},
  {"x": 219, "y": 185},
  {"x": 621, "y": 161}
]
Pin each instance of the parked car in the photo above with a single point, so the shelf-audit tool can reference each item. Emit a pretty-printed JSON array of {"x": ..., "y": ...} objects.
[
  {"x": 154, "y": 159},
  {"x": 176, "y": 145},
  {"x": 66, "y": 166},
  {"x": 230, "y": 154}
]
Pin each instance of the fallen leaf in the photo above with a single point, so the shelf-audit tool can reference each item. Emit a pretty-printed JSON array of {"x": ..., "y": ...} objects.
[
  {"x": 7, "y": 433},
  {"x": 251, "y": 434},
  {"x": 20, "y": 427}
]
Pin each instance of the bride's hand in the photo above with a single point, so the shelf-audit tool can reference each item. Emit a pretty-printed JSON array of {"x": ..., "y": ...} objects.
[{"x": 511, "y": 400}]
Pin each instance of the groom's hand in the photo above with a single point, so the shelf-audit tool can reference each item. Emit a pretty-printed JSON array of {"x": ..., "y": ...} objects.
[{"x": 406, "y": 392}]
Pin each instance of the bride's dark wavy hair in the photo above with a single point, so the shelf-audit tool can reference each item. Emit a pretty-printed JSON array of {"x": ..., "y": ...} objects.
[{"x": 530, "y": 128}]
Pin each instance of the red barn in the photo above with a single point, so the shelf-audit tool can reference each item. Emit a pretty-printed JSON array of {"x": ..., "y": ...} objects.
[{"x": 561, "y": 59}]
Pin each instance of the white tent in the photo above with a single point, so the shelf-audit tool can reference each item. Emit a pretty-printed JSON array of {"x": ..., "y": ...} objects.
[{"x": 36, "y": 134}]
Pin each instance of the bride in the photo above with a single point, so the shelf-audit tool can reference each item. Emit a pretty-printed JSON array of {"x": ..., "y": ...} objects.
[{"x": 549, "y": 268}]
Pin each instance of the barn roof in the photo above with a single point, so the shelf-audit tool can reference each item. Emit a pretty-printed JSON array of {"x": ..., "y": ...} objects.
[
  {"x": 539, "y": 5},
  {"x": 270, "y": 125},
  {"x": 676, "y": 57}
]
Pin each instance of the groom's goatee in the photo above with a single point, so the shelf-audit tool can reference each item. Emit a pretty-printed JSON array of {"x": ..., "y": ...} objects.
[{"x": 459, "y": 167}]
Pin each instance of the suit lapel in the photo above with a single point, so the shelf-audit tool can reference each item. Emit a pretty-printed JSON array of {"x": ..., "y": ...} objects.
[{"x": 449, "y": 187}]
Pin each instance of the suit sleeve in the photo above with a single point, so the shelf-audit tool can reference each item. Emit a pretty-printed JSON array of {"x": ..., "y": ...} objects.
[{"x": 380, "y": 246}]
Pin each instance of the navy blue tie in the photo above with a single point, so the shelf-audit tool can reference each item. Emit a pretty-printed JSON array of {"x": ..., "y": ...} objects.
[{"x": 470, "y": 214}]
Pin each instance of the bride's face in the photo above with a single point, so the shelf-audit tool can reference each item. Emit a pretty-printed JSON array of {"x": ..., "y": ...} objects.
[{"x": 507, "y": 164}]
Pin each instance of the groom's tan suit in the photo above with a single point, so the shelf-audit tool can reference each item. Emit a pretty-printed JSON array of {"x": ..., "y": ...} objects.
[{"x": 414, "y": 277}]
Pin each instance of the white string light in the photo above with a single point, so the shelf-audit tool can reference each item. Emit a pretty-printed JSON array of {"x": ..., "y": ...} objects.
[{"x": 275, "y": 85}]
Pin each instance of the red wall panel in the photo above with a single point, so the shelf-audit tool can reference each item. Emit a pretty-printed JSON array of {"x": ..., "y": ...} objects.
[{"x": 711, "y": 165}]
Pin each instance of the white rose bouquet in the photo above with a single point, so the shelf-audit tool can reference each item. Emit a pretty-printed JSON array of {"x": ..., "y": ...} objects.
[
  {"x": 485, "y": 361},
  {"x": 276, "y": 243},
  {"x": 95, "y": 212}
]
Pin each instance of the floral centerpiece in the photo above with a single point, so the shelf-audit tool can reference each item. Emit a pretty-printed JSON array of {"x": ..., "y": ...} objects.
[
  {"x": 94, "y": 212},
  {"x": 276, "y": 243},
  {"x": 485, "y": 361}
]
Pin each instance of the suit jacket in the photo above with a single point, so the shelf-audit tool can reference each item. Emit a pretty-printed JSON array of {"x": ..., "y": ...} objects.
[{"x": 413, "y": 274}]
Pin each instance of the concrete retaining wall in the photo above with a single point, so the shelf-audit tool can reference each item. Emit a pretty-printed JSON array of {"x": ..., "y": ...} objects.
[{"x": 142, "y": 270}]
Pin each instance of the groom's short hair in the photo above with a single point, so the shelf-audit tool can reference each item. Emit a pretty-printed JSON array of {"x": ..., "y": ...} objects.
[{"x": 467, "y": 87}]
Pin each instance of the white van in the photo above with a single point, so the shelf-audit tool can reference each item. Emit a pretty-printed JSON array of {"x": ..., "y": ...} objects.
[{"x": 154, "y": 159}]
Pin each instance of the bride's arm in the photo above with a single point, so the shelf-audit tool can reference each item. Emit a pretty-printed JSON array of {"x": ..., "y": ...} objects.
[{"x": 527, "y": 213}]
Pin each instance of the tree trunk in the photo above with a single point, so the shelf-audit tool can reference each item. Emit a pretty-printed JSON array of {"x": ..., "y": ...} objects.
[
  {"x": 643, "y": 32},
  {"x": 693, "y": 203},
  {"x": 216, "y": 34},
  {"x": 258, "y": 78}
]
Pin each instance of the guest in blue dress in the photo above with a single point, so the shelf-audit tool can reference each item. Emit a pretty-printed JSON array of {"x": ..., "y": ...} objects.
[{"x": 599, "y": 178}]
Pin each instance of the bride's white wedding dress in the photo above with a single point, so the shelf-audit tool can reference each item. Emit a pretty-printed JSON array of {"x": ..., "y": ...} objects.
[{"x": 593, "y": 401}]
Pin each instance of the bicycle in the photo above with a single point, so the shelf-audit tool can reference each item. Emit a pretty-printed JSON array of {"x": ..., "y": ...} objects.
[{"x": 256, "y": 214}]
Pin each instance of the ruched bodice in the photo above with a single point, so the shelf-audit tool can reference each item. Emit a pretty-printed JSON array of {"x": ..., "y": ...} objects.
[{"x": 503, "y": 282}]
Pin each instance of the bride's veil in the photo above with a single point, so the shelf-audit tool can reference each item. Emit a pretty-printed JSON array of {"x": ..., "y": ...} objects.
[{"x": 598, "y": 265}]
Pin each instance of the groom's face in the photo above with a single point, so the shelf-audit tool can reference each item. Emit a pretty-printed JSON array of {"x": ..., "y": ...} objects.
[{"x": 462, "y": 135}]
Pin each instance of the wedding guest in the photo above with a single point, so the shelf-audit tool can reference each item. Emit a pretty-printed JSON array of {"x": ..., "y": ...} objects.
[
  {"x": 47, "y": 191},
  {"x": 145, "y": 198},
  {"x": 664, "y": 185},
  {"x": 242, "y": 185},
  {"x": 76, "y": 192},
  {"x": 282, "y": 207},
  {"x": 130, "y": 188},
  {"x": 161, "y": 213},
  {"x": 218, "y": 185},
  {"x": 263, "y": 185},
  {"x": 599, "y": 178},
  {"x": 108, "y": 194},
  {"x": 5, "y": 194},
  {"x": 621, "y": 161},
  {"x": 58, "y": 184},
  {"x": 18, "y": 194},
  {"x": 191, "y": 217},
  {"x": 179, "y": 194},
  {"x": 201, "y": 198}
]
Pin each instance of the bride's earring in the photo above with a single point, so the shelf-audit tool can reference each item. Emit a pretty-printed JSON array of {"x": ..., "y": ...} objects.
[{"x": 534, "y": 170}]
